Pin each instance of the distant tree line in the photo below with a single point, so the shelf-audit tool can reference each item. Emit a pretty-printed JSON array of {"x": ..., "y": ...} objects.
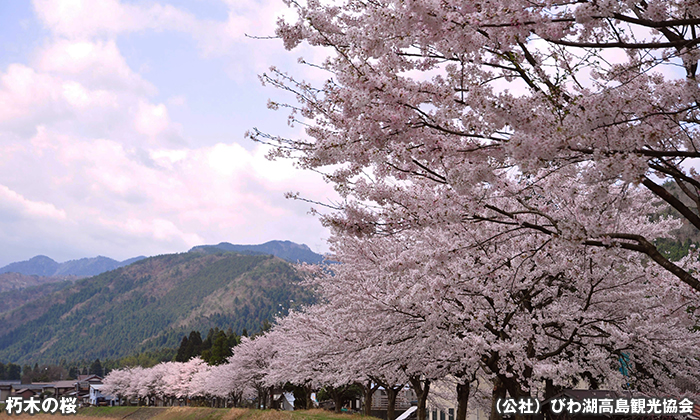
[
  {"x": 10, "y": 371},
  {"x": 214, "y": 349},
  {"x": 53, "y": 372}
]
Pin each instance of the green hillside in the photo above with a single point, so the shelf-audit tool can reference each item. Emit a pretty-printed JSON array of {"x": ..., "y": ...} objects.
[
  {"x": 15, "y": 281},
  {"x": 148, "y": 305},
  {"x": 15, "y": 298}
]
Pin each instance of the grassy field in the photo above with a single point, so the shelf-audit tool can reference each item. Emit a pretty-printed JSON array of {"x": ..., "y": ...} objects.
[{"x": 191, "y": 413}]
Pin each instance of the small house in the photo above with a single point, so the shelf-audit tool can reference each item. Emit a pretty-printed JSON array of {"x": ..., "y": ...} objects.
[
  {"x": 6, "y": 388},
  {"x": 97, "y": 398}
]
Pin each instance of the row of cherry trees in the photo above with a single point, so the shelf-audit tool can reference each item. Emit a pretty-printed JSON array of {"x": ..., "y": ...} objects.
[
  {"x": 505, "y": 169},
  {"x": 531, "y": 317},
  {"x": 238, "y": 380}
]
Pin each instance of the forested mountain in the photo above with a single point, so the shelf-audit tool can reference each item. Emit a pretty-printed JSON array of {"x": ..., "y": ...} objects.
[
  {"x": 42, "y": 265},
  {"x": 14, "y": 298},
  {"x": 287, "y": 250},
  {"x": 16, "y": 281},
  {"x": 148, "y": 305},
  {"x": 44, "y": 269}
]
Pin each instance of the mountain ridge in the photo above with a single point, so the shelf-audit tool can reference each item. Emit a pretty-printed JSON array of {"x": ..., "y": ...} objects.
[
  {"x": 44, "y": 266},
  {"x": 149, "y": 305},
  {"x": 287, "y": 250}
]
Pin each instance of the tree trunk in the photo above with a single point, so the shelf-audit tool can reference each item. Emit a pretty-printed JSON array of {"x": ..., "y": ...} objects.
[
  {"x": 338, "y": 399},
  {"x": 307, "y": 391},
  {"x": 234, "y": 399},
  {"x": 550, "y": 390},
  {"x": 462, "y": 399},
  {"x": 499, "y": 391},
  {"x": 367, "y": 393},
  {"x": 515, "y": 391},
  {"x": 421, "y": 389},
  {"x": 391, "y": 393},
  {"x": 262, "y": 398}
]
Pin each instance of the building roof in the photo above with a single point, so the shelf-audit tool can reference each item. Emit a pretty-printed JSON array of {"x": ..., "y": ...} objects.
[
  {"x": 89, "y": 378},
  {"x": 34, "y": 387},
  {"x": 65, "y": 384},
  {"x": 10, "y": 382},
  {"x": 23, "y": 390},
  {"x": 289, "y": 396}
]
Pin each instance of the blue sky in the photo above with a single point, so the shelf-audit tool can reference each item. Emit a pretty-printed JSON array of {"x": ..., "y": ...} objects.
[{"x": 122, "y": 129}]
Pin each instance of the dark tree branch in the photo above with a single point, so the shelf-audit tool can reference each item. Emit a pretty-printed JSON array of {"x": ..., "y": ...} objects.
[
  {"x": 645, "y": 247},
  {"x": 677, "y": 204}
]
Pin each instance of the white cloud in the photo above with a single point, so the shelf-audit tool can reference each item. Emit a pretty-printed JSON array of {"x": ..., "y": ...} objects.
[
  {"x": 93, "y": 161},
  {"x": 25, "y": 207},
  {"x": 156, "y": 228},
  {"x": 98, "y": 64},
  {"x": 81, "y": 19},
  {"x": 86, "y": 88},
  {"x": 172, "y": 198},
  {"x": 79, "y": 97},
  {"x": 151, "y": 119},
  {"x": 23, "y": 91},
  {"x": 84, "y": 20}
]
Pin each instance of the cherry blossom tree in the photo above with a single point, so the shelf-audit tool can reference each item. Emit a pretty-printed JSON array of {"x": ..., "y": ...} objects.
[
  {"x": 116, "y": 383},
  {"x": 532, "y": 312},
  {"x": 225, "y": 384},
  {"x": 168, "y": 380},
  {"x": 151, "y": 382},
  {"x": 135, "y": 388},
  {"x": 499, "y": 165},
  {"x": 350, "y": 339},
  {"x": 453, "y": 95},
  {"x": 314, "y": 352},
  {"x": 200, "y": 384},
  {"x": 179, "y": 380},
  {"x": 249, "y": 365}
]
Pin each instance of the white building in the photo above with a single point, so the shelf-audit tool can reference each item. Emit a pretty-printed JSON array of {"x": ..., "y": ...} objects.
[{"x": 96, "y": 397}]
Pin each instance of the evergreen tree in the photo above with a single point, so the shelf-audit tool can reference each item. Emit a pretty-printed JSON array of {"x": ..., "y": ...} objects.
[
  {"x": 96, "y": 368},
  {"x": 182, "y": 350},
  {"x": 13, "y": 372},
  {"x": 194, "y": 345},
  {"x": 233, "y": 339},
  {"x": 220, "y": 349}
]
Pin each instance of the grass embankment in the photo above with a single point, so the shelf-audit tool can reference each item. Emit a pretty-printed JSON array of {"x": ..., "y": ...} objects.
[{"x": 190, "y": 413}]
